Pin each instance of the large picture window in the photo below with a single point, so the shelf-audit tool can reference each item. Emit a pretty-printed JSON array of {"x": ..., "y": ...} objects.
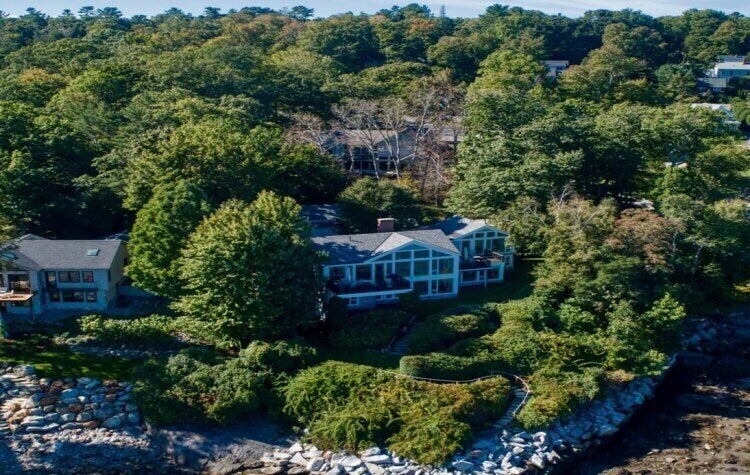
[
  {"x": 71, "y": 296},
  {"x": 403, "y": 268},
  {"x": 422, "y": 287},
  {"x": 442, "y": 286},
  {"x": 69, "y": 276},
  {"x": 364, "y": 273},
  {"x": 421, "y": 268},
  {"x": 51, "y": 278},
  {"x": 336, "y": 273},
  {"x": 88, "y": 276},
  {"x": 442, "y": 266}
]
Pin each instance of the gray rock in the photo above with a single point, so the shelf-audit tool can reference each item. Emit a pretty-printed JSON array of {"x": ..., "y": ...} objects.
[
  {"x": 296, "y": 447},
  {"x": 538, "y": 461},
  {"x": 32, "y": 421},
  {"x": 488, "y": 465},
  {"x": 71, "y": 425},
  {"x": 40, "y": 429},
  {"x": 371, "y": 451},
  {"x": 69, "y": 393},
  {"x": 68, "y": 417},
  {"x": 374, "y": 469},
  {"x": 349, "y": 462},
  {"x": 113, "y": 422},
  {"x": 381, "y": 459},
  {"x": 606, "y": 429},
  {"x": 298, "y": 459},
  {"x": 85, "y": 416},
  {"x": 134, "y": 417},
  {"x": 463, "y": 465},
  {"x": 316, "y": 464}
]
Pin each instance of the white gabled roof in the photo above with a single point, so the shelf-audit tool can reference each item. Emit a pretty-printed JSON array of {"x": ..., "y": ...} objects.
[{"x": 458, "y": 226}]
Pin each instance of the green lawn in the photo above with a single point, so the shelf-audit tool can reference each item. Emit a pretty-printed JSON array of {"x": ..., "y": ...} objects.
[{"x": 57, "y": 361}]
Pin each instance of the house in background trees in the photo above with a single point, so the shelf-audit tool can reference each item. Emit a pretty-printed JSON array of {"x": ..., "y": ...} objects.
[
  {"x": 730, "y": 66},
  {"x": 39, "y": 275},
  {"x": 325, "y": 219},
  {"x": 381, "y": 152},
  {"x": 555, "y": 67},
  {"x": 370, "y": 269}
]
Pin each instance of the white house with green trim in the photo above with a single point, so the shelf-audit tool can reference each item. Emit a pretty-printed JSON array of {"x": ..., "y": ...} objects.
[{"x": 371, "y": 269}]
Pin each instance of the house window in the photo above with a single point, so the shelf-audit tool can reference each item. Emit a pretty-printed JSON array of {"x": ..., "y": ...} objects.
[
  {"x": 442, "y": 286},
  {"x": 442, "y": 266},
  {"x": 421, "y": 287},
  {"x": 336, "y": 273},
  {"x": 2, "y": 280},
  {"x": 364, "y": 273},
  {"x": 88, "y": 276},
  {"x": 71, "y": 296},
  {"x": 54, "y": 295},
  {"x": 26, "y": 303},
  {"x": 403, "y": 268},
  {"x": 498, "y": 244},
  {"x": 479, "y": 247},
  {"x": 91, "y": 296},
  {"x": 470, "y": 276},
  {"x": 493, "y": 274},
  {"x": 403, "y": 255},
  {"x": 51, "y": 278},
  {"x": 421, "y": 254},
  {"x": 354, "y": 301},
  {"x": 421, "y": 267},
  {"x": 69, "y": 276}
]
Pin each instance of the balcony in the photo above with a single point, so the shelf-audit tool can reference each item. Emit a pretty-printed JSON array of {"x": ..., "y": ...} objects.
[
  {"x": 394, "y": 282},
  {"x": 485, "y": 261}
]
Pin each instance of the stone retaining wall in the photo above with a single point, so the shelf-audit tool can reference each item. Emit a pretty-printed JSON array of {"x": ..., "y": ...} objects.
[{"x": 497, "y": 454}]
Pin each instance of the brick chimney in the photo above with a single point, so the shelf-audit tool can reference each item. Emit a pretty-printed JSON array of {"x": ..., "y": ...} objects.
[{"x": 386, "y": 225}]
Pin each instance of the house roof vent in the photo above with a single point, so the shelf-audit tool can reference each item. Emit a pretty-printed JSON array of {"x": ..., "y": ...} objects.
[{"x": 92, "y": 252}]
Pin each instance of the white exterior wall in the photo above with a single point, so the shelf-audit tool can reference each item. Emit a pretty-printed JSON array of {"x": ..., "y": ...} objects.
[{"x": 395, "y": 262}]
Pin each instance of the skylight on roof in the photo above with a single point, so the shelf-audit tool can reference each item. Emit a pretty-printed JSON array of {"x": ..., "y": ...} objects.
[{"x": 92, "y": 252}]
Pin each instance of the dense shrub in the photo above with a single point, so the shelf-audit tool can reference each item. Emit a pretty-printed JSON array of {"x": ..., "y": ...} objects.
[
  {"x": 439, "y": 331},
  {"x": 353, "y": 407},
  {"x": 556, "y": 391},
  {"x": 186, "y": 389},
  {"x": 371, "y": 330},
  {"x": 282, "y": 356},
  {"x": 327, "y": 386},
  {"x": 451, "y": 367},
  {"x": 155, "y": 330}
]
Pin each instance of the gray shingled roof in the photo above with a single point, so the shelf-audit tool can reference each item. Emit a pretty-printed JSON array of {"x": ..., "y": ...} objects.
[
  {"x": 37, "y": 253},
  {"x": 353, "y": 248},
  {"x": 457, "y": 226},
  {"x": 329, "y": 213}
]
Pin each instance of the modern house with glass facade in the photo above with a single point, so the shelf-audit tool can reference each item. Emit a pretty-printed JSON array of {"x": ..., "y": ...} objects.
[
  {"x": 39, "y": 275},
  {"x": 371, "y": 269}
]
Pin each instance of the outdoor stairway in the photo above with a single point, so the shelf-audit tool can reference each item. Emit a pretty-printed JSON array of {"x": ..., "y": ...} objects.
[
  {"x": 401, "y": 341},
  {"x": 519, "y": 396},
  {"x": 22, "y": 387}
]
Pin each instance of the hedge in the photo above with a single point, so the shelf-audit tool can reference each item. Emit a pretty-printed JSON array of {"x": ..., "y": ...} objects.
[
  {"x": 155, "y": 330},
  {"x": 450, "y": 367},
  {"x": 440, "y": 331}
]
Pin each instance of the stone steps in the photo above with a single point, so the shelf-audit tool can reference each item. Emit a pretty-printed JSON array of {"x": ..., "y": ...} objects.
[{"x": 518, "y": 397}]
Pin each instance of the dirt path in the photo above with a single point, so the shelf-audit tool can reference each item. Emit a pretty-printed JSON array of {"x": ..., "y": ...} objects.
[{"x": 697, "y": 424}]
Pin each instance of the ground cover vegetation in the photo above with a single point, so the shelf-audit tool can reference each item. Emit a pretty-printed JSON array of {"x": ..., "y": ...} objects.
[{"x": 204, "y": 134}]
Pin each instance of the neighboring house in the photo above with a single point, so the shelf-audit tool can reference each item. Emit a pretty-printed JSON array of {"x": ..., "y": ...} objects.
[
  {"x": 712, "y": 84},
  {"x": 725, "y": 109},
  {"x": 325, "y": 219},
  {"x": 730, "y": 66},
  {"x": 372, "y": 269},
  {"x": 38, "y": 274},
  {"x": 367, "y": 151},
  {"x": 555, "y": 67},
  {"x": 380, "y": 151}
]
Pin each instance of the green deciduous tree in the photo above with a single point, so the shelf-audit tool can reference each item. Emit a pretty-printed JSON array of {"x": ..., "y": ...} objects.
[
  {"x": 159, "y": 235},
  {"x": 367, "y": 199},
  {"x": 250, "y": 271}
]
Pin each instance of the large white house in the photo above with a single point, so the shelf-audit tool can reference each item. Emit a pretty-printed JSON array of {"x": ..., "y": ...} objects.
[
  {"x": 38, "y": 274},
  {"x": 371, "y": 269},
  {"x": 730, "y": 66}
]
